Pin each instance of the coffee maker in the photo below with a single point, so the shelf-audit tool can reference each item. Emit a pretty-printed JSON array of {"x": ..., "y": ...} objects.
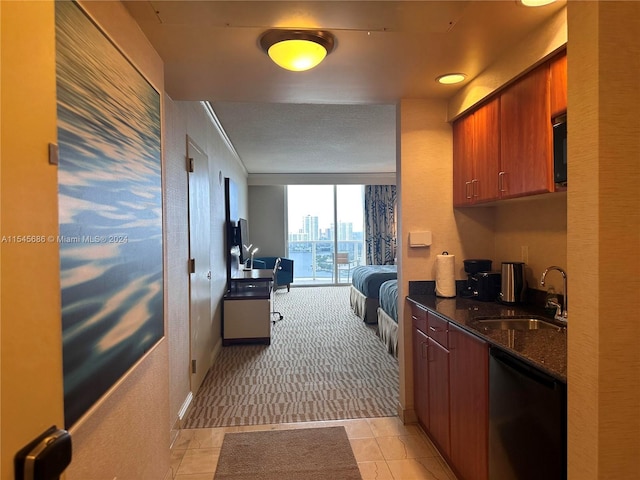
[{"x": 482, "y": 283}]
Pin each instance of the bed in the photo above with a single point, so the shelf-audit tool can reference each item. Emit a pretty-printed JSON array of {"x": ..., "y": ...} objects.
[
  {"x": 365, "y": 289},
  {"x": 388, "y": 316}
]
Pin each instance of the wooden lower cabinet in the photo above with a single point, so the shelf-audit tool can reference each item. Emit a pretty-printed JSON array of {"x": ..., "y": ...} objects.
[
  {"x": 439, "y": 396},
  {"x": 469, "y": 404},
  {"x": 420, "y": 377},
  {"x": 451, "y": 392}
]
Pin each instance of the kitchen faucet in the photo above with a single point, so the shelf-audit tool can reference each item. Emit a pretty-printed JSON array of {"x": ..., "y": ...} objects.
[{"x": 561, "y": 314}]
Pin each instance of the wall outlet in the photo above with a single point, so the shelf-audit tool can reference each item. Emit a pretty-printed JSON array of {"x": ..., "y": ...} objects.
[{"x": 524, "y": 254}]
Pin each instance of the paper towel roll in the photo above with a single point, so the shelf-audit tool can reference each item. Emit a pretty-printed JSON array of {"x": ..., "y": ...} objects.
[{"x": 446, "y": 275}]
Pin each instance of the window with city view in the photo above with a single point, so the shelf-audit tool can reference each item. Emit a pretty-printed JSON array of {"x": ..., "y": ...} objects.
[{"x": 326, "y": 232}]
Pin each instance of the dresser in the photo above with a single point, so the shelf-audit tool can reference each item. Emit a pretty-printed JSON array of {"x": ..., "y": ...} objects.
[{"x": 246, "y": 308}]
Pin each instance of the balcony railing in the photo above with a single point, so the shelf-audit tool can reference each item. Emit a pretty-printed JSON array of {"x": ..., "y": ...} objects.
[{"x": 314, "y": 261}]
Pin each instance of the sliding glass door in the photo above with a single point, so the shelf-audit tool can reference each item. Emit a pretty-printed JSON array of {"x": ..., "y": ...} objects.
[{"x": 326, "y": 232}]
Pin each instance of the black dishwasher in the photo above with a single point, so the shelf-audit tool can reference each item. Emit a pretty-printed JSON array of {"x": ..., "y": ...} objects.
[{"x": 527, "y": 421}]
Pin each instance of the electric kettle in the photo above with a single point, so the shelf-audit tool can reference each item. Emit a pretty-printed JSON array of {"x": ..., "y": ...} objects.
[{"x": 513, "y": 282}]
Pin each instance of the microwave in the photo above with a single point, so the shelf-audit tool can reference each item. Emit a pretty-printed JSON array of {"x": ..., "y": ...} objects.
[{"x": 560, "y": 150}]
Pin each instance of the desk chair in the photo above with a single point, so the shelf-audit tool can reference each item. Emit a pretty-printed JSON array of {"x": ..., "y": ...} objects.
[{"x": 274, "y": 286}]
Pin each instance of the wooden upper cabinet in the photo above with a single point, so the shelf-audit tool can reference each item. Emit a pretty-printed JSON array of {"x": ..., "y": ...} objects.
[
  {"x": 487, "y": 152},
  {"x": 558, "y": 84},
  {"x": 463, "y": 142},
  {"x": 525, "y": 136},
  {"x": 476, "y": 155},
  {"x": 503, "y": 149}
]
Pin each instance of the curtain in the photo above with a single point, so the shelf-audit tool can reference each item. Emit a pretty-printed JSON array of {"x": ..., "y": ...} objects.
[{"x": 380, "y": 223}]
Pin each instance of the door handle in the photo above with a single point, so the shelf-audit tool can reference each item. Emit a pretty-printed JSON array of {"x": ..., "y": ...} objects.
[
  {"x": 209, "y": 275},
  {"x": 46, "y": 457},
  {"x": 501, "y": 181}
]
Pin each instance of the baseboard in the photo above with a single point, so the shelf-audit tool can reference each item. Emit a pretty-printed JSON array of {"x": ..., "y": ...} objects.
[
  {"x": 182, "y": 413},
  {"x": 188, "y": 401},
  {"x": 407, "y": 415},
  {"x": 186, "y": 405},
  {"x": 217, "y": 348}
]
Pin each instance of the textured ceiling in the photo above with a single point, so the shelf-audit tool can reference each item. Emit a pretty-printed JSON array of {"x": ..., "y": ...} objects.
[
  {"x": 338, "y": 117},
  {"x": 301, "y": 138}
]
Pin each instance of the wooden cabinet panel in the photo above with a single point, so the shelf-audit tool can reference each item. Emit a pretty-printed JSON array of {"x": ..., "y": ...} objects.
[
  {"x": 419, "y": 318},
  {"x": 439, "y": 395},
  {"x": 487, "y": 152},
  {"x": 463, "y": 153},
  {"x": 558, "y": 85},
  {"x": 438, "y": 329},
  {"x": 451, "y": 384},
  {"x": 525, "y": 136},
  {"x": 469, "y": 403},
  {"x": 420, "y": 377},
  {"x": 476, "y": 155}
]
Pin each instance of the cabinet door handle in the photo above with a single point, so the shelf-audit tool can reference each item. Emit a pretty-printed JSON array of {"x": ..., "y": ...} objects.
[
  {"x": 467, "y": 188},
  {"x": 425, "y": 351},
  {"x": 501, "y": 181},
  {"x": 474, "y": 182},
  {"x": 433, "y": 329}
]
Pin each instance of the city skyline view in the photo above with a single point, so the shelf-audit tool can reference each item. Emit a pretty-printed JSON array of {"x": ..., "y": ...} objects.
[
  {"x": 317, "y": 230},
  {"x": 317, "y": 201}
]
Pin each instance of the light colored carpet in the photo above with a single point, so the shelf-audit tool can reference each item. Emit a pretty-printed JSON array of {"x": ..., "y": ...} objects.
[
  {"x": 324, "y": 363},
  {"x": 310, "y": 454}
]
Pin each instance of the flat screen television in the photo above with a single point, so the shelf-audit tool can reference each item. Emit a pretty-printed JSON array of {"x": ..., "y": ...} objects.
[{"x": 242, "y": 238}]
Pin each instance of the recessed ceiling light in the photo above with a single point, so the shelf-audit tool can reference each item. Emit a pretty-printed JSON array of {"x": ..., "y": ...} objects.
[
  {"x": 451, "y": 78},
  {"x": 536, "y": 3},
  {"x": 297, "y": 50}
]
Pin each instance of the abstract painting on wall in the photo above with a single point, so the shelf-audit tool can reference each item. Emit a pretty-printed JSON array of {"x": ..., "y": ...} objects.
[{"x": 110, "y": 211}]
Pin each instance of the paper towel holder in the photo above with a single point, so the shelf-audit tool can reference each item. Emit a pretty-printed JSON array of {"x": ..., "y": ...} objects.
[{"x": 420, "y": 239}]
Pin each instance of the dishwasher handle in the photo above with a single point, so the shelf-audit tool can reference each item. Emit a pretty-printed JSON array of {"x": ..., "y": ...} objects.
[{"x": 524, "y": 369}]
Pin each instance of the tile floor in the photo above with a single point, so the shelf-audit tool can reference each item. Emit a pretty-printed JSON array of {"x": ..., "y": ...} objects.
[{"x": 384, "y": 448}]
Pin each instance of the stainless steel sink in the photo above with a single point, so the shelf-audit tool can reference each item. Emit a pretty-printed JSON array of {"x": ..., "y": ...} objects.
[{"x": 515, "y": 323}]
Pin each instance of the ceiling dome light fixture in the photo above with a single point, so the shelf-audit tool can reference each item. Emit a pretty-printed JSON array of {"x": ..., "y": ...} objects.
[
  {"x": 536, "y": 3},
  {"x": 451, "y": 78},
  {"x": 297, "y": 50}
]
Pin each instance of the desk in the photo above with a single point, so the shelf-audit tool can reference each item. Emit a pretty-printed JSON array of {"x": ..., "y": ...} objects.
[
  {"x": 255, "y": 278},
  {"x": 246, "y": 308}
]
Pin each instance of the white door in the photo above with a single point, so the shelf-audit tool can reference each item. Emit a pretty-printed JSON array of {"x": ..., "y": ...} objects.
[{"x": 201, "y": 321}]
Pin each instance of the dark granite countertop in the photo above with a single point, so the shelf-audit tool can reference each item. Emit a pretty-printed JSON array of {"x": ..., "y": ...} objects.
[{"x": 545, "y": 349}]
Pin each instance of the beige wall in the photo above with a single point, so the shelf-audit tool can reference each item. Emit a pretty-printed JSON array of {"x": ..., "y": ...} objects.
[
  {"x": 540, "y": 225},
  {"x": 518, "y": 59},
  {"x": 604, "y": 240},
  {"x": 425, "y": 179},
  {"x": 600, "y": 246},
  {"x": 267, "y": 219},
  {"x": 135, "y": 410},
  {"x": 190, "y": 119},
  {"x": 127, "y": 433},
  {"x": 31, "y": 336}
]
